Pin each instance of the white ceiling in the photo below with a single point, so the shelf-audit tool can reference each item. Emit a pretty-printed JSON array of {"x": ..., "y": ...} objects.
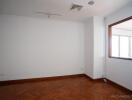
[
  {"x": 127, "y": 25},
  {"x": 30, "y": 7}
]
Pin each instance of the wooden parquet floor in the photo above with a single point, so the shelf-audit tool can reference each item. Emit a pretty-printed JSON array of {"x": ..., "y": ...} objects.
[{"x": 78, "y": 88}]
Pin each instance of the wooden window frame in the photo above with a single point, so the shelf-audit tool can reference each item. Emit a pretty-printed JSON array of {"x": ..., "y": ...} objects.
[{"x": 110, "y": 38}]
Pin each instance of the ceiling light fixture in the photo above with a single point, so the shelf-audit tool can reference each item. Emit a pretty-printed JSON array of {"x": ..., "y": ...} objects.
[
  {"x": 91, "y": 2},
  {"x": 78, "y": 7}
]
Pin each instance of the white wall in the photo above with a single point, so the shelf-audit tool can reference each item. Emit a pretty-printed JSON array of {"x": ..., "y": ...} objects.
[
  {"x": 94, "y": 47},
  {"x": 117, "y": 70},
  {"x": 89, "y": 29},
  {"x": 33, "y": 47},
  {"x": 0, "y": 45},
  {"x": 99, "y": 47}
]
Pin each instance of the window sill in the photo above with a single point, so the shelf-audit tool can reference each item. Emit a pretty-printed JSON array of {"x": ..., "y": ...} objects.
[{"x": 121, "y": 58}]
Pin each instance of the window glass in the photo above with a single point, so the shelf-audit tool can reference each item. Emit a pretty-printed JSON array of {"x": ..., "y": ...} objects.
[
  {"x": 115, "y": 46},
  {"x": 124, "y": 46},
  {"x": 131, "y": 47}
]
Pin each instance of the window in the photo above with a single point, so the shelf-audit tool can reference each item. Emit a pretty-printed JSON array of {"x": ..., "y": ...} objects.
[
  {"x": 124, "y": 47},
  {"x": 115, "y": 46},
  {"x": 131, "y": 47},
  {"x": 120, "y": 39}
]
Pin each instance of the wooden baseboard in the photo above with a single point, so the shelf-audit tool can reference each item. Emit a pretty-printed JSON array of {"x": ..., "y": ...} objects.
[
  {"x": 118, "y": 86},
  {"x": 21, "y": 81},
  {"x": 96, "y": 80},
  {"x": 111, "y": 83}
]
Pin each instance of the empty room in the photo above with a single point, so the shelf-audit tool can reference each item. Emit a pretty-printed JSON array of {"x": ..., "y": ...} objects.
[{"x": 65, "y": 49}]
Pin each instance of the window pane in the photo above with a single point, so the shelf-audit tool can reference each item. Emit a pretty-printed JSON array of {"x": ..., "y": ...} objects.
[
  {"x": 124, "y": 47},
  {"x": 115, "y": 46},
  {"x": 131, "y": 47}
]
